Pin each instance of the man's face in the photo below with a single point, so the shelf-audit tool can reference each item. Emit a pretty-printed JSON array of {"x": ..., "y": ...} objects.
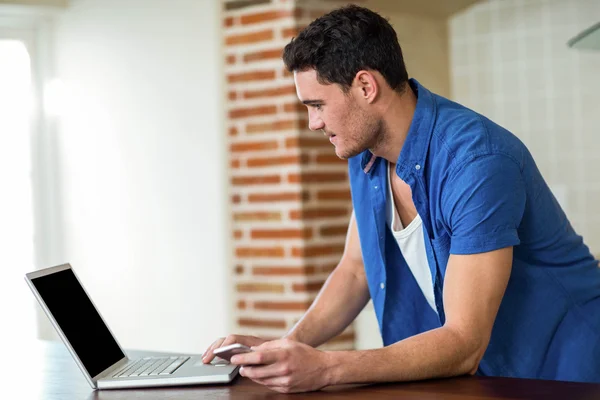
[{"x": 347, "y": 124}]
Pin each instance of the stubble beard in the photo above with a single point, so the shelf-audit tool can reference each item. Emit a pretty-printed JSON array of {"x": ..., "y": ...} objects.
[{"x": 368, "y": 136}]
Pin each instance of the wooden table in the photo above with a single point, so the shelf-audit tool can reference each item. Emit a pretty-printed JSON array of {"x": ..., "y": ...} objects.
[{"x": 46, "y": 371}]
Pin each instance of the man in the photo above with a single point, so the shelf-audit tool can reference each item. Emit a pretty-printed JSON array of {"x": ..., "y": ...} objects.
[{"x": 471, "y": 263}]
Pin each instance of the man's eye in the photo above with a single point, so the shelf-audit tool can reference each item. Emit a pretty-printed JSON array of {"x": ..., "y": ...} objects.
[{"x": 319, "y": 107}]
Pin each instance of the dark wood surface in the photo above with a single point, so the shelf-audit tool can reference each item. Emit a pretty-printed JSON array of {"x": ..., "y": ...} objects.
[{"x": 46, "y": 371}]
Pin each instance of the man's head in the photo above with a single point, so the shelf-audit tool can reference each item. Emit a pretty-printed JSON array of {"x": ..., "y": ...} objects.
[{"x": 341, "y": 63}]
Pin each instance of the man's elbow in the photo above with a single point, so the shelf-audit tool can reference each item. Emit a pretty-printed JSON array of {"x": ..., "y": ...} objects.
[
  {"x": 473, "y": 370},
  {"x": 472, "y": 352},
  {"x": 469, "y": 364}
]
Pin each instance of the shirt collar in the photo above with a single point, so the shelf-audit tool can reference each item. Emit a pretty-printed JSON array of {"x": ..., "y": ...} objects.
[{"x": 414, "y": 151}]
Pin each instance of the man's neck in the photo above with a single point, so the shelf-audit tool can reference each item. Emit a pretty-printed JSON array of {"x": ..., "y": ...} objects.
[{"x": 397, "y": 117}]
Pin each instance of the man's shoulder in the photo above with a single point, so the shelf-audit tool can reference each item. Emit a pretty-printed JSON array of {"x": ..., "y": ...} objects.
[
  {"x": 461, "y": 133},
  {"x": 457, "y": 125}
]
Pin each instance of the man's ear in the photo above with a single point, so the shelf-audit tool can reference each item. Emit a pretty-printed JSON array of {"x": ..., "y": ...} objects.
[{"x": 366, "y": 86}]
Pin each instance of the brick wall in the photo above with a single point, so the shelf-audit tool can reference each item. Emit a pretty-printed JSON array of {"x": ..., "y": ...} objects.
[{"x": 289, "y": 191}]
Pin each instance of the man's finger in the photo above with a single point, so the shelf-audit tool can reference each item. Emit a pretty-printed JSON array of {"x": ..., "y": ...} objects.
[
  {"x": 257, "y": 358},
  {"x": 263, "y": 372},
  {"x": 272, "y": 345},
  {"x": 211, "y": 347},
  {"x": 275, "y": 383},
  {"x": 208, "y": 355}
]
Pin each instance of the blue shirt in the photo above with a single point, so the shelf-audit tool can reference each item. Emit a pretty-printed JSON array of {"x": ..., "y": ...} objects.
[{"x": 477, "y": 189}]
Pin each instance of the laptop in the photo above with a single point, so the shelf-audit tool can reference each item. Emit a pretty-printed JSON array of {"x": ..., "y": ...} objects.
[{"x": 95, "y": 349}]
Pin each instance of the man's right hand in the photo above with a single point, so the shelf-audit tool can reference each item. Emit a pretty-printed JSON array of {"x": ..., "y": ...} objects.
[{"x": 231, "y": 339}]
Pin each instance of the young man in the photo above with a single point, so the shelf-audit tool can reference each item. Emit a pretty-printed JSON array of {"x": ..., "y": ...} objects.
[{"x": 471, "y": 263}]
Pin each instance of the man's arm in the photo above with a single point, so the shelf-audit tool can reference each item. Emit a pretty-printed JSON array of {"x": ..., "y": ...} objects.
[
  {"x": 342, "y": 297},
  {"x": 473, "y": 289}
]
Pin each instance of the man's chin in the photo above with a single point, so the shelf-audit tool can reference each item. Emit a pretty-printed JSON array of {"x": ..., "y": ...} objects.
[
  {"x": 340, "y": 155},
  {"x": 344, "y": 155}
]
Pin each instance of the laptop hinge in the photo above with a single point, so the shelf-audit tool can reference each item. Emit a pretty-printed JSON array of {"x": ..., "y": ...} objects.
[{"x": 110, "y": 370}]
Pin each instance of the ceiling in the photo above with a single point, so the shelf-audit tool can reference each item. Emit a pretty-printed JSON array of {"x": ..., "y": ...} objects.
[
  {"x": 433, "y": 8},
  {"x": 49, "y": 3}
]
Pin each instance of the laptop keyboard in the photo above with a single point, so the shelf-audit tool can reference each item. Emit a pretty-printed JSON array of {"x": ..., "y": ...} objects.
[{"x": 150, "y": 366}]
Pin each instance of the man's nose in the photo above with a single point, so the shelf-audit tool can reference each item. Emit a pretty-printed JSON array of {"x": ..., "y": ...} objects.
[{"x": 315, "y": 123}]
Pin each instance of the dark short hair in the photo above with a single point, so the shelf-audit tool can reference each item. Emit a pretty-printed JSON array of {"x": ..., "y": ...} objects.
[{"x": 345, "y": 41}]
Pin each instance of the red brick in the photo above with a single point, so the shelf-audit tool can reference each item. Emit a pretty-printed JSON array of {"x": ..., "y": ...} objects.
[
  {"x": 329, "y": 159},
  {"x": 340, "y": 230},
  {"x": 252, "y": 112},
  {"x": 228, "y": 22},
  {"x": 256, "y": 216},
  {"x": 294, "y": 107},
  {"x": 236, "y": 199},
  {"x": 235, "y": 164},
  {"x": 265, "y": 16},
  {"x": 317, "y": 213},
  {"x": 299, "y": 12},
  {"x": 305, "y": 233},
  {"x": 261, "y": 323},
  {"x": 327, "y": 268},
  {"x": 239, "y": 269},
  {"x": 282, "y": 125},
  {"x": 316, "y": 251},
  {"x": 255, "y": 180},
  {"x": 233, "y": 131},
  {"x": 282, "y": 305},
  {"x": 344, "y": 337},
  {"x": 283, "y": 160},
  {"x": 288, "y": 33},
  {"x": 274, "y": 54},
  {"x": 314, "y": 14},
  {"x": 272, "y": 92},
  {"x": 277, "y": 197},
  {"x": 251, "y": 76},
  {"x": 230, "y": 59},
  {"x": 317, "y": 177},
  {"x": 283, "y": 271},
  {"x": 259, "y": 287},
  {"x": 286, "y": 74},
  {"x": 308, "y": 286},
  {"x": 334, "y": 195},
  {"x": 242, "y": 305},
  {"x": 268, "y": 252},
  {"x": 308, "y": 143},
  {"x": 247, "y": 38},
  {"x": 232, "y": 95},
  {"x": 252, "y": 146},
  {"x": 237, "y": 234}
]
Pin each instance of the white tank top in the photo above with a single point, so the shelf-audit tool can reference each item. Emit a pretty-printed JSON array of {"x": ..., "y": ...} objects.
[{"x": 412, "y": 245}]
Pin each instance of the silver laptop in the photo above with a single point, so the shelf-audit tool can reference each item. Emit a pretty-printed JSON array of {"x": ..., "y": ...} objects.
[{"x": 96, "y": 350}]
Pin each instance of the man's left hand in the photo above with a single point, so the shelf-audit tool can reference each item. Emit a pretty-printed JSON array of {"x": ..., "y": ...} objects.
[{"x": 286, "y": 366}]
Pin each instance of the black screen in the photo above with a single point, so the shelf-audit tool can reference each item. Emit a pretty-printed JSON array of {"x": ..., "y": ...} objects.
[{"x": 79, "y": 320}]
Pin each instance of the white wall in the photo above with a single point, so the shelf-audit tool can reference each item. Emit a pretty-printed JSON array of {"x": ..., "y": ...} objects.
[
  {"x": 510, "y": 61},
  {"x": 143, "y": 175}
]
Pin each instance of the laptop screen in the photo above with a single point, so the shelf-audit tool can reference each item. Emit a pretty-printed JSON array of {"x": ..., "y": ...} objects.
[{"x": 80, "y": 322}]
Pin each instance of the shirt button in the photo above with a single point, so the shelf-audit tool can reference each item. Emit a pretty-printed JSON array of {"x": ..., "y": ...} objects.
[
  {"x": 375, "y": 187},
  {"x": 417, "y": 167},
  {"x": 382, "y": 286}
]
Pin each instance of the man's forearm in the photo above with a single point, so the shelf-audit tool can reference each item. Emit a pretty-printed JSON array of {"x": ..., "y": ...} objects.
[
  {"x": 437, "y": 353},
  {"x": 340, "y": 300}
]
